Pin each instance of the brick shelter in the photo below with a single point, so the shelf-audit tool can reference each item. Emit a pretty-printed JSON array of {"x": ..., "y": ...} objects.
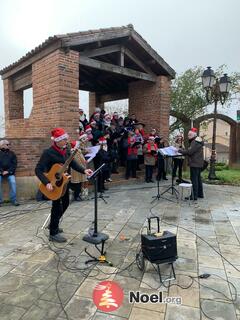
[{"x": 111, "y": 64}]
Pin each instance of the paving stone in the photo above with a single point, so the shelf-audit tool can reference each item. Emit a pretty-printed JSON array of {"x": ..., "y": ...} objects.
[
  {"x": 175, "y": 312},
  {"x": 217, "y": 310},
  {"x": 65, "y": 293},
  {"x": 214, "y": 288},
  {"x": 143, "y": 314},
  {"x": 208, "y": 261},
  {"x": 42, "y": 310},
  {"x": 27, "y": 268},
  {"x": 8, "y": 312},
  {"x": 24, "y": 296},
  {"x": 79, "y": 308}
]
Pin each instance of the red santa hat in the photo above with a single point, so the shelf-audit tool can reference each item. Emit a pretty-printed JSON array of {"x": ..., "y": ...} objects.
[
  {"x": 151, "y": 138},
  {"x": 82, "y": 135},
  {"x": 81, "y": 110},
  {"x": 102, "y": 140},
  {"x": 194, "y": 130},
  {"x": 58, "y": 134},
  {"x": 74, "y": 144},
  {"x": 88, "y": 128},
  {"x": 107, "y": 116},
  {"x": 93, "y": 122}
]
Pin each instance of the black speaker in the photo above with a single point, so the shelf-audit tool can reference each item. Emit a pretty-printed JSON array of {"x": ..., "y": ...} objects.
[{"x": 159, "y": 248}]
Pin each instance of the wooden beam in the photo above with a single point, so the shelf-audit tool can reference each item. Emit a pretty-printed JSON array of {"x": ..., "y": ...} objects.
[
  {"x": 96, "y": 64},
  {"x": 138, "y": 62},
  {"x": 29, "y": 61},
  {"x": 101, "y": 51},
  {"x": 22, "y": 81},
  {"x": 153, "y": 53},
  {"x": 95, "y": 37},
  {"x": 115, "y": 96},
  {"x": 121, "y": 62}
]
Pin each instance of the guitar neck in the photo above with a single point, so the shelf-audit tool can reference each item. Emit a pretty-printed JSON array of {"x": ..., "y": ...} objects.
[{"x": 68, "y": 161}]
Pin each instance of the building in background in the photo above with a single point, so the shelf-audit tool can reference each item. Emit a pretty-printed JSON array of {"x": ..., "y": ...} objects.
[{"x": 222, "y": 139}]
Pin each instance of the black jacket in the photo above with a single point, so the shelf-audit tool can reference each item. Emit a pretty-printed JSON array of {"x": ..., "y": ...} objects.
[
  {"x": 194, "y": 153},
  {"x": 102, "y": 157},
  {"x": 8, "y": 161},
  {"x": 48, "y": 159}
]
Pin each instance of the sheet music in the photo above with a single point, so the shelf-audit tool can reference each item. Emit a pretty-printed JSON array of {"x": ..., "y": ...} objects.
[
  {"x": 169, "y": 151},
  {"x": 92, "y": 153}
]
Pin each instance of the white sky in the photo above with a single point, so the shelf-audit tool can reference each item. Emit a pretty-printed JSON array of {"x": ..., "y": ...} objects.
[{"x": 185, "y": 33}]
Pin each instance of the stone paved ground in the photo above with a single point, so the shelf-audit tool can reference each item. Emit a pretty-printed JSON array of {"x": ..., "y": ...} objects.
[{"x": 36, "y": 283}]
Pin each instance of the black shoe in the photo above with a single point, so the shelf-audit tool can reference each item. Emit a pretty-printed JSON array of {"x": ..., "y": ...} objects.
[
  {"x": 78, "y": 199},
  {"x": 116, "y": 172},
  {"x": 201, "y": 197},
  {"x": 151, "y": 180},
  {"x": 104, "y": 188},
  {"x": 16, "y": 204},
  {"x": 165, "y": 178},
  {"x": 190, "y": 198},
  {"x": 57, "y": 238},
  {"x": 60, "y": 230}
]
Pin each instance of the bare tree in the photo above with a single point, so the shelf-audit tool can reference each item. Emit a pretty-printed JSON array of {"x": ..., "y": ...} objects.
[{"x": 119, "y": 106}]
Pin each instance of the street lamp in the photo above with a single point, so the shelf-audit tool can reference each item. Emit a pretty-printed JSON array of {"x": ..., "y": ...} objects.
[{"x": 216, "y": 90}]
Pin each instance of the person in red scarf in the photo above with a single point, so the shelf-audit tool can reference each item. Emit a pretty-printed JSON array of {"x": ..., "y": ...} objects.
[
  {"x": 57, "y": 153},
  {"x": 132, "y": 151},
  {"x": 150, "y": 153}
]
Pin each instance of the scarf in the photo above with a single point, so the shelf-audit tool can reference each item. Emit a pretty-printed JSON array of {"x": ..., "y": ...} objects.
[{"x": 61, "y": 151}]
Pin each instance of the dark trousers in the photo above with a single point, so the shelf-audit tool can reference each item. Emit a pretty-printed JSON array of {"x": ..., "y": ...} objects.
[
  {"x": 103, "y": 175},
  {"x": 195, "y": 176},
  {"x": 177, "y": 164},
  {"x": 76, "y": 187},
  {"x": 131, "y": 168},
  {"x": 58, "y": 208},
  {"x": 161, "y": 173},
  {"x": 148, "y": 172}
]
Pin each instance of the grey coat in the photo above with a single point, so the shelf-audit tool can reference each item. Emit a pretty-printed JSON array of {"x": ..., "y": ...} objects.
[{"x": 194, "y": 153}]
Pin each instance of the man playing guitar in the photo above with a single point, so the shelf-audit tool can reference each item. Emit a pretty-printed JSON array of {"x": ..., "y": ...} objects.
[{"x": 57, "y": 154}]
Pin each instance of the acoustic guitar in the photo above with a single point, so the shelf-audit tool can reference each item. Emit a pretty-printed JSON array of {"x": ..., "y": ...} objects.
[{"x": 59, "y": 179}]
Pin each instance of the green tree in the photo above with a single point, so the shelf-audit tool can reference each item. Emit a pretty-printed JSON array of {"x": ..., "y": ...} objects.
[{"x": 188, "y": 96}]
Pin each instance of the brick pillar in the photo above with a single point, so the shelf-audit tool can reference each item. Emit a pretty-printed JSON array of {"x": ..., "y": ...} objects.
[
  {"x": 55, "y": 93},
  {"x": 151, "y": 103},
  {"x": 13, "y": 104},
  {"x": 94, "y": 101}
]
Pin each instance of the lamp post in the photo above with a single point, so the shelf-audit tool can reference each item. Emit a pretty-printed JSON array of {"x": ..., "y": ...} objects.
[{"x": 216, "y": 90}]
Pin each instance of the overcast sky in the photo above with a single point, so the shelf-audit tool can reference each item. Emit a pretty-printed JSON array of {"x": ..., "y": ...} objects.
[{"x": 186, "y": 33}]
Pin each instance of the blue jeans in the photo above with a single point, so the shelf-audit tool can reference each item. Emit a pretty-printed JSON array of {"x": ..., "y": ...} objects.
[{"x": 12, "y": 185}]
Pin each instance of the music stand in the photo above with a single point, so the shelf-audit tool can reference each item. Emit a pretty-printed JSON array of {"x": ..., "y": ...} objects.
[
  {"x": 158, "y": 196},
  {"x": 172, "y": 188},
  {"x": 96, "y": 237}
]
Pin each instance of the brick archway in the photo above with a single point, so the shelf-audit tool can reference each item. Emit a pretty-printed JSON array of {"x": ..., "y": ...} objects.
[{"x": 234, "y": 148}]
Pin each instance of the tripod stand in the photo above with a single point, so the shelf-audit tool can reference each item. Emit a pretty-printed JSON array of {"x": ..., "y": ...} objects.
[
  {"x": 172, "y": 188},
  {"x": 159, "y": 195},
  {"x": 96, "y": 237}
]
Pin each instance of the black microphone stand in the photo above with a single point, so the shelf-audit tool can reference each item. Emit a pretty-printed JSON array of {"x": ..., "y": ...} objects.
[{"x": 96, "y": 237}]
